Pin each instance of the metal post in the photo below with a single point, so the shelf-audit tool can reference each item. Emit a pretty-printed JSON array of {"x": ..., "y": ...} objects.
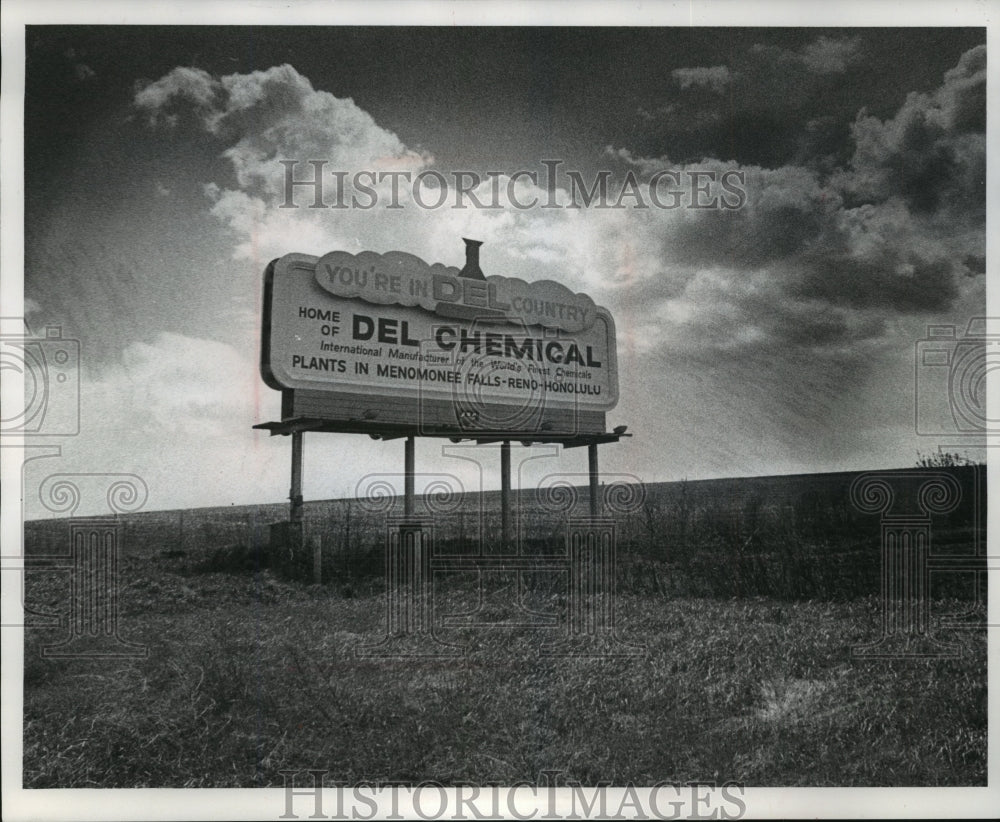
[
  {"x": 408, "y": 469},
  {"x": 505, "y": 493},
  {"x": 295, "y": 494},
  {"x": 595, "y": 502}
]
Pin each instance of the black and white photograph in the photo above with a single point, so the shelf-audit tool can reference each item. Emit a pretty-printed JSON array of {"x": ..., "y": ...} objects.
[{"x": 497, "y": 411}]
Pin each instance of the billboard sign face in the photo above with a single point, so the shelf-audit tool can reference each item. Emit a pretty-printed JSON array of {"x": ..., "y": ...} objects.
[{"x": 391, "y": 325}]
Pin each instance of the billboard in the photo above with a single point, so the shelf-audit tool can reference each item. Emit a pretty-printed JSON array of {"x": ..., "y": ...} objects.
[{"x": 390, "y": 326}]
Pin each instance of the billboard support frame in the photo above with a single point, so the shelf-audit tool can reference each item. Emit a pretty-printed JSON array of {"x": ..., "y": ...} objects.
[
  {"x": 296, "y": 429},
  {"x": 299, "y": 407}
]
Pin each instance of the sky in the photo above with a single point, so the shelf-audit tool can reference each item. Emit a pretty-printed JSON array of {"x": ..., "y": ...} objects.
[{"x": 777, "y": 337}]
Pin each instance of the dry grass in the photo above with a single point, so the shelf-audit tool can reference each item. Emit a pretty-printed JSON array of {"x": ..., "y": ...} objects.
[{"x": 248, "y": 674}]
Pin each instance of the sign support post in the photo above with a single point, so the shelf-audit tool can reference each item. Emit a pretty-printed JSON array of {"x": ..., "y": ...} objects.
[
  {"x": 595, "y": 502},
  {"x": 288, "y": 537},
  {"x": 295, "y": 494},
  {"x": 408, "y": 470},
  {"x": 391, "y": 346},
  {"x": 505, "y": 494}
]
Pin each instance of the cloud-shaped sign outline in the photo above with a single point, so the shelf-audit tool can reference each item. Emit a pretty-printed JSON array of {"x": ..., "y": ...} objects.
[{"x": 577, "y": 312}]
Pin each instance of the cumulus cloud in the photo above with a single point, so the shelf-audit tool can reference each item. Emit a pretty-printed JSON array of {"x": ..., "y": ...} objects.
[
  {"x": 824, "y": 55},
  {"x": 769, "y": 314},
  {"x": 658, "y": 112},
  {"x": 270, "y": 115},
  {"x": 830, "y": 55},
  {"x": 714, "y": 78},
  {"x": 83, "y": 72},
  {"x": 177, "y": 411},
  {"x": 826, "y": 260},
  {"x": 181, "y": 384},
  {"x": 813, "y": 260},
  {"x": 182, "y": 84},
  {"x": 932, "y": 152}
]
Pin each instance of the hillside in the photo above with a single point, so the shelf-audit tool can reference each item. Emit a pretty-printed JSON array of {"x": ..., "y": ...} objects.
[{"x": 803, "y": 526}]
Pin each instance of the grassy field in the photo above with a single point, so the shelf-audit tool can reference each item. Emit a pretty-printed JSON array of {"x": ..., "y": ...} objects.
[
  {"x": 787, "y": 537},
  {"x": 249, "y": 672}
]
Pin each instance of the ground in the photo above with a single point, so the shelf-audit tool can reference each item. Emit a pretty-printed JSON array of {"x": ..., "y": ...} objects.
[{"x": 248, "y": 674}]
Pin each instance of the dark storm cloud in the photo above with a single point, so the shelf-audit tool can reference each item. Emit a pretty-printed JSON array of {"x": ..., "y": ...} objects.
[
  {"x": 894, "y": 282},
  {"x": 81, "y": 71},
  {"x": 824, "y": 55},
  {"x": 760, "y": 336},
  {"x": 715, "y": 78},
  {"x": 766, "y": 107},
  {"x": 872, "y": 221},
  {"x": 784, "y": 213},
  {"x": 823, "y": 143},
  {"x": 932, "y": 152},
  {"x": 823, "y": 256},
  {"x": 974, "y": 264},
  {"x": 788, "y": 102}
]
